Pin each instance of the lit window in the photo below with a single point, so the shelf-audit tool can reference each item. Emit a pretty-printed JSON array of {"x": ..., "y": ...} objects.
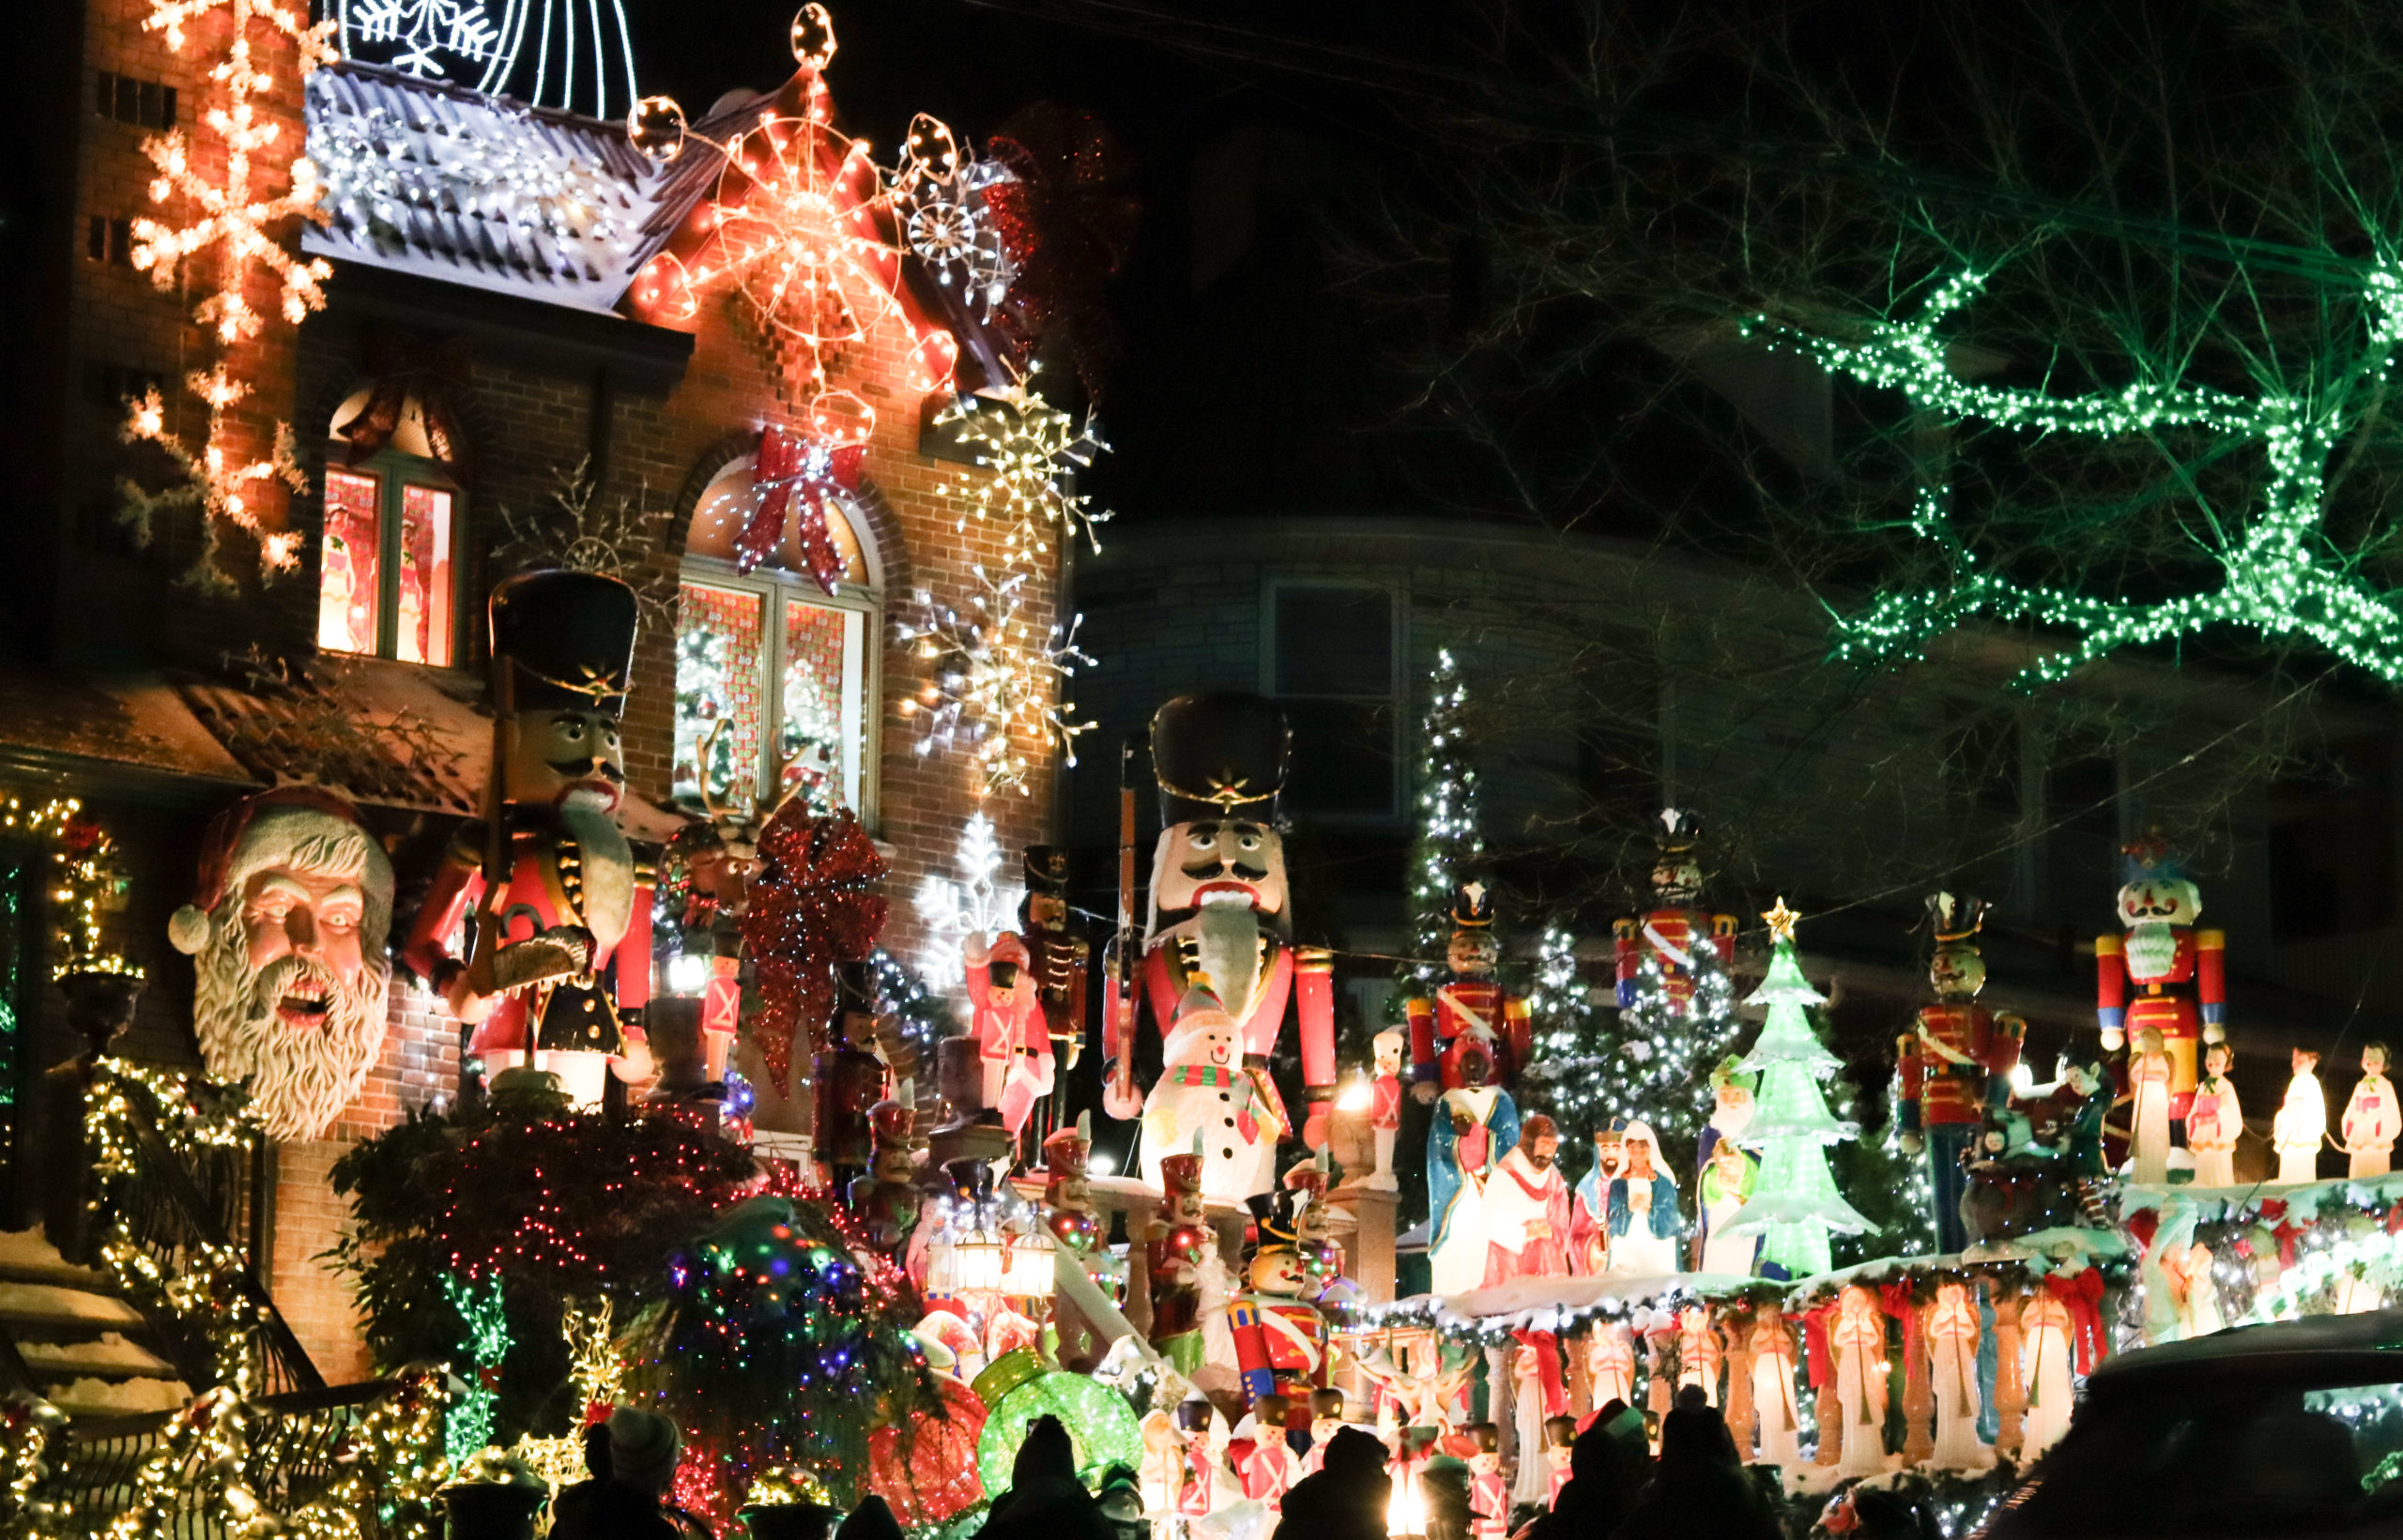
[
  {"x": 772, "y": 685},
  {"x": 388, "y": 582}
]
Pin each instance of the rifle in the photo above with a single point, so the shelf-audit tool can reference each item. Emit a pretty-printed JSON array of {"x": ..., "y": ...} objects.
[
  {"x": 495, "y": 869},
  {"x": 1122, "y": 964}
]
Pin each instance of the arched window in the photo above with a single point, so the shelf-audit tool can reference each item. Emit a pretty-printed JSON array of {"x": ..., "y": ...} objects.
[
  {"x": 388, "y": 577},
  {"x": 775, "y": 677}
]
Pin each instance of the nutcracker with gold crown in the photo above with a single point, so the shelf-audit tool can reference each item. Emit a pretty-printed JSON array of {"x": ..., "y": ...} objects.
[
  {"x": 1067, "y": 1187},
  {"x": 1218, "y": 890},
  {"x": 1676, "y": 923},
  {"x": 2161, "y": 972},
  {"x": 1056, "y": 956},
  {"x": 559, "y": 972},
  {"x": 1472, "y": 999},
  {"x": 1280, "y": 1336},
  {"x": 1956, "y": 1062}
]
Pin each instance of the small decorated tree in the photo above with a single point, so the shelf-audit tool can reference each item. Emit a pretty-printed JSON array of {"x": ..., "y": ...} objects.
[
  {"x": 1448, "y": 840},
  {"x": 1795, "y": 1206},
  {"x": 1651, "y": 1060}
]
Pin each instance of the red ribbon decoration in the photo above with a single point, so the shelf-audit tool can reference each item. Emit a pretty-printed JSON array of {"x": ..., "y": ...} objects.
[
  {"x": 1546, "y": 1347},
  {"x": 2142, "y": 1225},
  {"x": 2274, "y": 1212},
  {"x": 2082, "y": 1296},
  {"x": 403, "y": 367},
  {"x": 1895, "y": 1300},
  {"x": 1067, "y": 219},
  {"x": 787, "y": 463},
  {"x": 811, "y": 908},
  {"x": 1817, "y": 1352}
]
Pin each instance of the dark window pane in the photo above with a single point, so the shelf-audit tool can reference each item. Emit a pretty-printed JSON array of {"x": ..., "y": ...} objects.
[
  {"x": 2332, "y": 844},
  {"x": 1344, "y": 758},
  {"x": 1334, "y": 642}
]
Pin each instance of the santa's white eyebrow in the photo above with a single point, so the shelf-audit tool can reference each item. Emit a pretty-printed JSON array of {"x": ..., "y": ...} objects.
[{"x": 290, "y": 889}]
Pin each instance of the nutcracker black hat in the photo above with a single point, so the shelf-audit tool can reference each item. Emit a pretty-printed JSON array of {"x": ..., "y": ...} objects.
[
  {"x": 570, "y": 637},
  {"x": 1958, "y": 917},
  {"x": 1220, "y": 755},
  {"x": 1680, "y": 830},
  {"x": 1045, "y": 868},
  {"x": 1277, "y": 1216},
  {"x": 1472, "y": 905}
]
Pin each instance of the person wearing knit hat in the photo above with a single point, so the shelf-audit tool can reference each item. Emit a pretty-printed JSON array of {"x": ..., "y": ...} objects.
[
  {"x": 286, "y": 931},
  {"x": 642, "y": 1449}
]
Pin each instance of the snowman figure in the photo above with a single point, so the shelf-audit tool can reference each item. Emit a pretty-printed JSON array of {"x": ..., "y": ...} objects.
[{"x": 1206, "y": 1090}]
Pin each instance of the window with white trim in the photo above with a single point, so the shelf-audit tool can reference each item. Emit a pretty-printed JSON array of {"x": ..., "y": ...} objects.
[
  {"x": 388, "y": 573},
  {"x": 775, "y": 677}
]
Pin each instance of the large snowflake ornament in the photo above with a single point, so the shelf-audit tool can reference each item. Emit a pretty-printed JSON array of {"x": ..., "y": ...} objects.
[{"x": 429, "y": 39}]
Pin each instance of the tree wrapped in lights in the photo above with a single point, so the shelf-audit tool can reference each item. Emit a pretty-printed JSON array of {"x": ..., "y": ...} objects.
[
  {"x": 777, "y": 1346},
  {"x": 1448, "y": 840},
  {"x": 1795, "y": 1206},
  {"x": 1650, "y": 1060},
  {"x": 549, "y": 1207},
  {"x": 233, "y": 218}
]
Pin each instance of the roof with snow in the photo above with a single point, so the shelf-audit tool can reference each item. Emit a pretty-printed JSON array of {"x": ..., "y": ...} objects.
[{"x": 422, "y": 176}]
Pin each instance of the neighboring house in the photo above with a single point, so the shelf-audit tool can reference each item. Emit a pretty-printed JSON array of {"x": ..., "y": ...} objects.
[
  {"x": 1608, "y": 679},
  {"x": 485, "y": 264}
]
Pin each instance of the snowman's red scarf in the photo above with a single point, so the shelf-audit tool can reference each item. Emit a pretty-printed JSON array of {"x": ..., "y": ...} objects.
[{"x": 1262, "y": 1105}]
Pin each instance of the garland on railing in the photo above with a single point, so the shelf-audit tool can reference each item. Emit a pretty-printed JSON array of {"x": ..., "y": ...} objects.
[{"x": 207, "y": 1292}]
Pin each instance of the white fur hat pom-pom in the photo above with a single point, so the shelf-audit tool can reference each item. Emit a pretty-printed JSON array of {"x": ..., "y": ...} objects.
[{"x": 188, "y": 929}]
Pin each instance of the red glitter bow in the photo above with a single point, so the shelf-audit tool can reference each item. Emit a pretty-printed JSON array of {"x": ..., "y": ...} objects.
[
  {"x": 1895, "y": 1300},
  {"x": 1068, "y": 220},
  {"x": 1817, "y": 1352},
  {"x": 789, "y": 464},
  {"x": 2082, "y": 1295},
  {"x": 812, "y": 906}
]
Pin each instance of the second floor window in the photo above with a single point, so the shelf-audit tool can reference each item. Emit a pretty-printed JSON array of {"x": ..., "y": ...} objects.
[
  {"x": 388, "y": 571},
  {"x": 1334, "y": 665}
]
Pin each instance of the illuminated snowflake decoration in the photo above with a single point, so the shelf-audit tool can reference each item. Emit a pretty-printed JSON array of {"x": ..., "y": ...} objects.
[
  {"x": 2280, "y": 574},
  {"x": 231, "y": 220},
  {"x": 1023, "y": 444},
  {"x": 425, "y": 37},
  {"x": 994, "y": 689},
  {"x": 937, "y": 189},
  {"x": 977, "y": 903},
  {"x": 583, "y": 54}
]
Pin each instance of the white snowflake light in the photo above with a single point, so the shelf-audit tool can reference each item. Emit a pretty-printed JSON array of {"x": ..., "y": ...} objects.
[{"x": 976, "y": 904}]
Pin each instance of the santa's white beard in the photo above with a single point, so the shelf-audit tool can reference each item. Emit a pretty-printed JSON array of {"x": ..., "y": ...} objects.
[{"x": 301, "y": 1077}]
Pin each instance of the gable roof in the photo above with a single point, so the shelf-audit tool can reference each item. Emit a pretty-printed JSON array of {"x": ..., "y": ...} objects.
[{"x": 427, "y": 177}]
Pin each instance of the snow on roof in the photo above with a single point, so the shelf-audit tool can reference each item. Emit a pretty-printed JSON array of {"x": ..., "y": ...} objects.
[{"x": 430, "y": 178}]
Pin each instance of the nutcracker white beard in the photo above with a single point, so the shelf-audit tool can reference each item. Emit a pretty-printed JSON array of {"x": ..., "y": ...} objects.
[
  {"x": 300, "y": 1079},
  {"x": 2152, "y": 949}
]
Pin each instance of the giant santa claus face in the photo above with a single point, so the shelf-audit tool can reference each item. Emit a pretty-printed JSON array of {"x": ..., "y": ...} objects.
[{"x": 288, "y": 953}]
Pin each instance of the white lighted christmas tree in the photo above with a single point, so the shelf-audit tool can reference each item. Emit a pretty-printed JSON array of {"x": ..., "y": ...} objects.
[
  {"x": 1795, "y": 1206},
  {"x": 1448, "y": 841},
  {"x": 1650, "y": 1060}
]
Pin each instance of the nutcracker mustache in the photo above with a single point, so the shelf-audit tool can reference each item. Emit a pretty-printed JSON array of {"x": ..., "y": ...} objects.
[
  {"x": 589, "y": 769},
  {"x": 304, "y": 1036},
  {"x": 1203, "y": 870}
]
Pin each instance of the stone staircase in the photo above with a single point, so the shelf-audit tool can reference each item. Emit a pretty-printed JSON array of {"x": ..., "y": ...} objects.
[{"x": 77, "y": 1341}]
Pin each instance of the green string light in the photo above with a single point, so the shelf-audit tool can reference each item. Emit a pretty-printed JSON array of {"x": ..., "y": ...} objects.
[{"x": 2280, "y": 575}]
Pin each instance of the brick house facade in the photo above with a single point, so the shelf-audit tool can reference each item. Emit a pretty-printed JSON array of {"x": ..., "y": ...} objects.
[{"x": 118, "y": 678}]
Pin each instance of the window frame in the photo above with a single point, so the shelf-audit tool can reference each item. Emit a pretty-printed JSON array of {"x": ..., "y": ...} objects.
[
  {"x": 1398, "y": 696},
  {"x": 395, "y": 470},
  {"x": 862, "y": 729}
]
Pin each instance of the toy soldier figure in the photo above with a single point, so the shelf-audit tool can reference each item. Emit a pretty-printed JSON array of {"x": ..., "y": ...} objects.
[
  {"x": 849, "y": 1078},
  {"x": 1473, "y": 999},
  {"x": 1676, "y": 924},
  {"x": 1055, "y": 957},
  {"x": 1219, "y": 888},
  {"x": 559, "y": 967},
  {"x": 1957, "y": 1063},
  {"x": 885, "y": 1197},
  {"x": 1286, "y": 1355},
  {"x": 2162, "y": 955}
]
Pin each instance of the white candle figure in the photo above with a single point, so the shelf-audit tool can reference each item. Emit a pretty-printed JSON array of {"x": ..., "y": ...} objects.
[
  {"x": 1860, "y": 1337},
  {"x": 2149, "y": 1074},
  {"x": 2215, "y": 1120},
  {"x": 1953, "y": 1347},
  {"x": 1609, "y": 1363},
  {"x": 2371, "y": 1121},
  {"x": 1774, "y": 1388},
  {"x": 2044, "y": 1369},
  {"x": 2301, "y": 1122}
]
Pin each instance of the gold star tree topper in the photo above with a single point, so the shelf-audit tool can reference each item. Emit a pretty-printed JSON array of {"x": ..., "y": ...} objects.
[{"x": 1781, "y": 920}]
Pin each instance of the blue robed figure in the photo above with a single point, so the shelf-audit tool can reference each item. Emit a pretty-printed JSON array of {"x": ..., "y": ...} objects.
[
  {"x": 1644, "y": 1231},
  {"x": 1473, "y": 1128}
]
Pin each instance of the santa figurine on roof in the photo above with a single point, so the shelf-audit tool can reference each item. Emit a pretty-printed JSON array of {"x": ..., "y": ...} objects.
[
  {"x": 2161, "y": 972},
  {"x": 1676, "y": 924},
  {"x": 546, "y": 888},
  {"x": 1472, "y": 999},
  {"x": 1218, "y": 890}
]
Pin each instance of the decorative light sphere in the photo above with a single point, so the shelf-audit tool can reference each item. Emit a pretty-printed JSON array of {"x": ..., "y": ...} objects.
[
  {"x": 655, "y": 128},
  {"x": 1100, "y": 1424}
]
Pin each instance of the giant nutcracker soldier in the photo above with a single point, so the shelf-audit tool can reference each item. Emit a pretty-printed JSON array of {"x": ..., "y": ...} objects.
[
  {"x": 1956, "y": 1062},
  {"x": 1218, "y": 887},
  {"x": 2177, "y": 973},
  {"x": 1676, "y": 924},
  {"x": 558, "y": 970},
  {"x": 1473, "y": 1000}
]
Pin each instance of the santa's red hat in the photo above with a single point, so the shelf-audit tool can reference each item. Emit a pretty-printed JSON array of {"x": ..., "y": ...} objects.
[{"x": 293, "y": 813}]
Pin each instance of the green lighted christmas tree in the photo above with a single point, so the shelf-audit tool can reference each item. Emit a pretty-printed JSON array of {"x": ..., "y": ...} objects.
[{"x": 1794, "y": 1205}]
